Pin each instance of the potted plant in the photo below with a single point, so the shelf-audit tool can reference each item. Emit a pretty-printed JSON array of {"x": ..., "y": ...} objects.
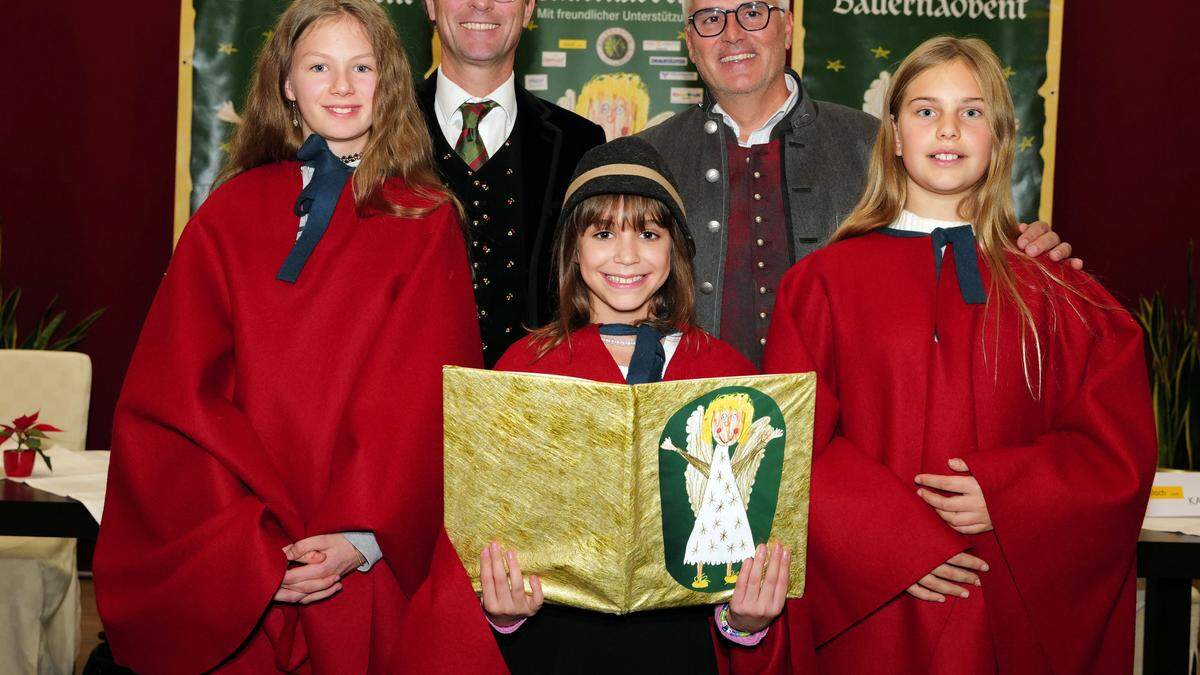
[
  {"x": 18, "y": 461},
  {"x": 1173, "y": 356}
]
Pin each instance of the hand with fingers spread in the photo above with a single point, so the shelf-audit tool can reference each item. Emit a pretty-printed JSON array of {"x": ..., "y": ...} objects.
[
  {"x": 966, "y": 513},
  {"x": 504, "y": 598},
  {"x": 319, "y": 564},
  {"x": 761, "y": 588},
  {"x": 945, "y": 579},
  {"x": 1037, "y": 238}
]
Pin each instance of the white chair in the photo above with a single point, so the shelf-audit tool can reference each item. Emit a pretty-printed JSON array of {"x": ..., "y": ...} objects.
[{"x": 39, "y": 580}]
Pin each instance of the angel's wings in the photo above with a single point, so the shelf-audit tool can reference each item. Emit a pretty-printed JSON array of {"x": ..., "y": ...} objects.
[
  {"x": 749, "y": 455},
  {"x": 699, "y": 458}
]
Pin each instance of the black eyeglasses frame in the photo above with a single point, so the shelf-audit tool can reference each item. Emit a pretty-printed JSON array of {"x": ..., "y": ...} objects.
[{"x": 725, "y": 17}]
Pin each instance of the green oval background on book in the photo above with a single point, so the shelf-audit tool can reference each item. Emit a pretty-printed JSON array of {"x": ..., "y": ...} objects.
[{"x": 756, "y": 467}]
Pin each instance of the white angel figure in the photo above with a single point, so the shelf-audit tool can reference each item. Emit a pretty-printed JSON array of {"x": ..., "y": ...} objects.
[
  {"x": 873, "y": 98},
  {"x": 719, "y": 483}
]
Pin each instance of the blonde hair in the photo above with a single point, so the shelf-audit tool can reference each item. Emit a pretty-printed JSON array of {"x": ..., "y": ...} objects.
[
  {"x": 399, "y": 144},
  {"x": 627, "y": 86},
  {"x": 988, "y": 206},
  {"x": 736, "y": 403}
]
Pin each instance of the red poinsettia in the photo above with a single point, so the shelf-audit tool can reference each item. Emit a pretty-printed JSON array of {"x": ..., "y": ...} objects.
[{"x": 29, "y": 435}]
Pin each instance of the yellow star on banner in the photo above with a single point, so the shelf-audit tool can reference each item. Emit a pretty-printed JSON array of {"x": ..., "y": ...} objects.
[
  {"x": 227, "y": 48},
  {"x": 681, "y": 35},
  {"x": 835, "y": 65},
  {"x": 268, "y": 34},
  {"x": 1009, "y": 72},
  {"x": 881, "y": 53},
  {"x": 224, "y": 147},
  {"x": 1026, "y": 143},
  {"x": 532, "y": 25}
]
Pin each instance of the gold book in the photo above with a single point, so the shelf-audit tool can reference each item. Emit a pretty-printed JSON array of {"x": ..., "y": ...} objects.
[{"x": 628, "y": 498}]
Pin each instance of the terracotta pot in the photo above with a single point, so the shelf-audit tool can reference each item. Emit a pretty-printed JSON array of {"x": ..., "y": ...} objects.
[{"x": 19, "y": 464}]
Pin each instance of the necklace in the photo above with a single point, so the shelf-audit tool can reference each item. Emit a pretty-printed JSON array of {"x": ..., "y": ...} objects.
[
  {"x": 617, "y": 341},
  {"x": 348, "y": 159}
]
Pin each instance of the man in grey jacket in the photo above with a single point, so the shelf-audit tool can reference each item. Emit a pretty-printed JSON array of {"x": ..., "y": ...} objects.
[{"x": 766, "y": 173}]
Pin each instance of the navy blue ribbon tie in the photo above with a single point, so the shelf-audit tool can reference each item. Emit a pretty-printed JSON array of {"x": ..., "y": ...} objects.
[
  {"x": 648, "y": 359},
  {"x": 318, "y": 199},
  {"x": 962, "y": 240}
]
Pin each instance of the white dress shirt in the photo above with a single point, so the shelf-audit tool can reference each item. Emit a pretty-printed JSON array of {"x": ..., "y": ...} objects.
[
  {"x": 494, "y": 128},
  {"x": 762, "y": 134}
]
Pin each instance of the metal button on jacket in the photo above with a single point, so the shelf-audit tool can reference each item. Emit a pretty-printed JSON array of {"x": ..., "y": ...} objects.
[
  {"x": 706, "y": 288},
  {"x": 713, "y": 226},
  {"x": 710, "y": 127},
  {"x": 712, "y": 175}
]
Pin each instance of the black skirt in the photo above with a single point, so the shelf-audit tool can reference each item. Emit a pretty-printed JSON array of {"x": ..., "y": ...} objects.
[{"x": 566, "y": 641}]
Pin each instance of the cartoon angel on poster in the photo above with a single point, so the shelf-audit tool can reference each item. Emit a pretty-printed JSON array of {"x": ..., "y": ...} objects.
[{"x": 724, "y": 450}]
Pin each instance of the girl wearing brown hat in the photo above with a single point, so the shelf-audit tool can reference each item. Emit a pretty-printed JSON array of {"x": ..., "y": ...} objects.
[{"x": 626, "y": 315}]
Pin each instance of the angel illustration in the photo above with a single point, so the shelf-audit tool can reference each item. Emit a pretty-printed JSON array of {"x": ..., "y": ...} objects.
[{"x": 724, "y": 451}]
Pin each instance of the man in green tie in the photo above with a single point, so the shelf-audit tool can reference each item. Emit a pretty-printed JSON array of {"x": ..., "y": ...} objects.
[{"x": 507, "y": 155}]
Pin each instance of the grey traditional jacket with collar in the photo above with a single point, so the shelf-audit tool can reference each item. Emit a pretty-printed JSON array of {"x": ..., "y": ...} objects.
[{"x": 825, "y": 154}]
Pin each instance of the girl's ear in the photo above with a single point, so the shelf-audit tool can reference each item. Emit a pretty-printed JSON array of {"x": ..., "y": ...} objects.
[
  {"x": 896, "y": 134},
  {"x": 287, "y": 89}
]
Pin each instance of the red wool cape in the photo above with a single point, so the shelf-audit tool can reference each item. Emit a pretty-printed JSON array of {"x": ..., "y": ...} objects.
[
  {"x": 1065, "y": 476},
  {"x": 698, "y": 356},
  {"x": 256, "y": 413}
]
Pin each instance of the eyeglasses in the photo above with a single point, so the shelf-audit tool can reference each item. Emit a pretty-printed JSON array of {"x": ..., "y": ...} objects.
[{"x": 751, "y": 16}]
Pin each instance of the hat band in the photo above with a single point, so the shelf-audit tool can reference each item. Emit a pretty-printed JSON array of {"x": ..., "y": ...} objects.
[{"x": 638, "y": 170}]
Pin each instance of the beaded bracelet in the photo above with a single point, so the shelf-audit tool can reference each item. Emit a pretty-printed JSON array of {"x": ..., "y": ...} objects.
[{"x": 723, "y": 624}]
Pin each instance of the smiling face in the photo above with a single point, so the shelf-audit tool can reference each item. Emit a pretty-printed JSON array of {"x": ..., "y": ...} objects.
[
  {"x": 740, "y": 62},
  {"x": 726, "y": 426},
  {"x": 944, "y": 137},
  {"x": 623, "y": 265},
  {"x": 332, "y": 80},
  {"x": 478, "y": 33}
]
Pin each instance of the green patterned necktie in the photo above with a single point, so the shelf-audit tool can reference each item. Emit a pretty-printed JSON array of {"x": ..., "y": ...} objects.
[{"x": 470, "y": 145}]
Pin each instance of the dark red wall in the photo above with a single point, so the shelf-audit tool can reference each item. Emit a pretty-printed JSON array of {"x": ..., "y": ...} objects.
[
  {"x": 1128, "y": 178},
  {"x": 88, "y": 134},
  {"x": 87, "y": 152}
]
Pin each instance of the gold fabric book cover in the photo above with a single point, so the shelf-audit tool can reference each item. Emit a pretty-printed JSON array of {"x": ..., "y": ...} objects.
[{"x": 628, "y": 498}]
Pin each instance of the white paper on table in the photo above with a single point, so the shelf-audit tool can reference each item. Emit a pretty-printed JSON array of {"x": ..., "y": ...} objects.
[
  {"x": 1181, "y": 525},
  {"x": 81, "y": 475}
]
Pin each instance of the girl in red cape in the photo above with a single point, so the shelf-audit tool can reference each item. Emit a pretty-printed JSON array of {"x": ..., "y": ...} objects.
[
  {"x": 274, "y": 501},
  {"x": 626, "y": 315},
  {"x": 984, "y": 442}
]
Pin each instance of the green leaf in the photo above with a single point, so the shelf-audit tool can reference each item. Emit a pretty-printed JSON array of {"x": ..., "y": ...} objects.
[
  {"x": 78, "y": 333},
  {"x": 8, "y": 323},
  {"x": 44, "y": 335},
  {"x": 45, "y": 458}
]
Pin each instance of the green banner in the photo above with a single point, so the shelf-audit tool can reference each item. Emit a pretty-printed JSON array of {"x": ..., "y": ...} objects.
[
  {"x": 623, "y": 64},
  {"x": 852, "y": 47}
]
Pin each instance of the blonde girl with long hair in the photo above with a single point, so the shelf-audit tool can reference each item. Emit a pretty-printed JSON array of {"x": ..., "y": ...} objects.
[
  {"x": 984, "y": 439},
  {"x": 276, "y": 486}
]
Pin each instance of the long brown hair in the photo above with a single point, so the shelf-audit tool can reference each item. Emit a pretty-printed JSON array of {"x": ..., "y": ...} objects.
[
  {"x": 988, "y": 206},
  {"x": 399, "y": 144},
  {"x": 673, "y": 305}
]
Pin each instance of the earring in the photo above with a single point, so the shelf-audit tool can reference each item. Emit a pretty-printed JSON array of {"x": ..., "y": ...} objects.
[{"x": 295, "y": 114}]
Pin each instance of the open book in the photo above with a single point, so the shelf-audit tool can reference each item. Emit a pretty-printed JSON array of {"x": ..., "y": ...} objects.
[{"x": 628, "y": 498}]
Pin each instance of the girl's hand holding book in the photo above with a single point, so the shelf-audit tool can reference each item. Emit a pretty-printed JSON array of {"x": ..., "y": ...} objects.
[
  {"x": 504, "y": 598},
  {"x": 761, "y": 589}
]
